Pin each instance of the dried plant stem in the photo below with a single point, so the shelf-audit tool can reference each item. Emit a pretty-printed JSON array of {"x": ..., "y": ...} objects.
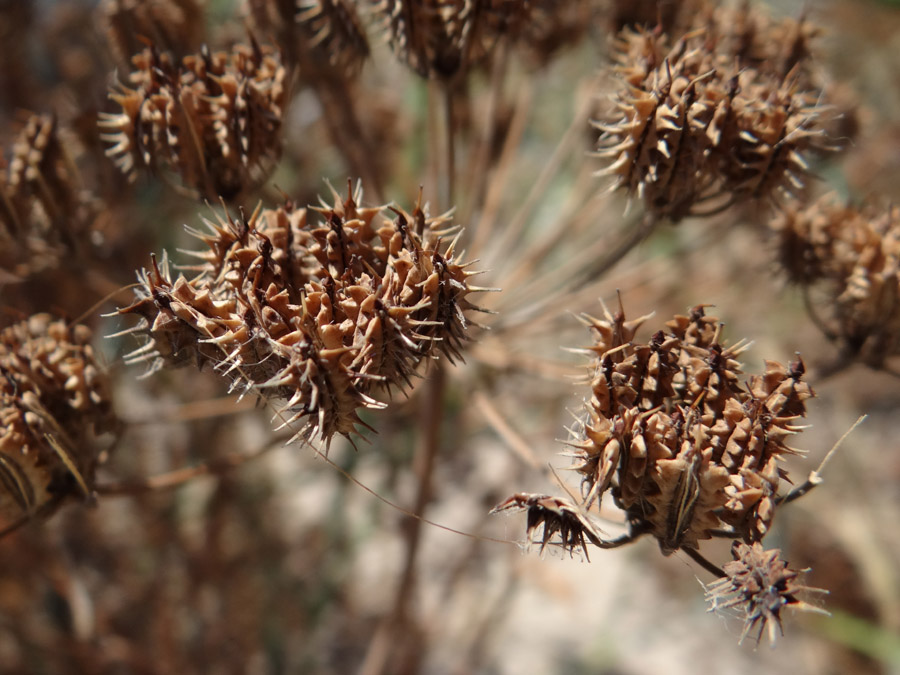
[
  {"x": 564, "y": 150},
  {"x": 591, "y": 264},
  {"x": 173, "y": 479},
  {"x": 394, "y": 626},
  {"x": 195, "y": 410},
  {"x": 513, "y": 439},
  {"x": 479, "y": 165}
]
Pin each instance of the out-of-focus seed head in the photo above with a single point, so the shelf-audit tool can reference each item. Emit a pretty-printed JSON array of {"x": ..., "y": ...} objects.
[
  {"x": 444, "y": 39},
  {"x": 759, "y": 585},
  {"x": 45, "y": 212},
  {"x": 54, "y": 399},
  {"x": 214, "y": 121},
  {"x": 324, "y": 315},
  {"x": 853, "y": 254},
  {"x": 175, "y": 26}
]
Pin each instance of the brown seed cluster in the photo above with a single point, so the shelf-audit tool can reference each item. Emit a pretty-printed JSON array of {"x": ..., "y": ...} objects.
[
  {"x": 726, "y": 114},
  {"x": 54, "y": 399},
  {"x": 214, "y": 120},
  {"x": 441, "y": 39},
  {"x": 44, "y": 210},
  {"x": 759, "y": 584},
  {"x": 685, "y": 444},
  {"x": 853, "y": 255},
  {"x": 325, "y": 315}
]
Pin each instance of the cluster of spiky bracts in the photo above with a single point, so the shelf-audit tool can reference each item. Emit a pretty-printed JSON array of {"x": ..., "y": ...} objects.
[
  {"x": 44, "y": 210},
  {"x": 213, "y": 120},
  {"x": 850, "y": 256},
  {"x": 687, "y": 445},
  {"x": 758, "y": 584},
  {"x": 54, "y": 401},
  {"x": 325, "y": 315},
  {"x": 728, "y": 113}
]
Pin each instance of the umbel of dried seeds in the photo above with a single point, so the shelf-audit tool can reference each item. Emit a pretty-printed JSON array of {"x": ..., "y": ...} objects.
[
  {"x": 852, "y": 254},
  {"x": 214, "y": 120},
  {"x": 325, "y": 315},
  {"x": 54, "y": 399},
  {"x": 726, "y": 114},
  {"x": 686, "y": 445}
]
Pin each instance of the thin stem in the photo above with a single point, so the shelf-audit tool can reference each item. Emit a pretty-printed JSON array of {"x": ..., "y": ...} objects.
[
  {"x": 715, "y": 570},
  {"x": 178, "y": 477}
]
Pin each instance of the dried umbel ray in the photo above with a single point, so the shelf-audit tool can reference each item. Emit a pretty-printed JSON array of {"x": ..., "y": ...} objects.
[
  {"x": 54, "y": 401},
  {"x": 686, "y": 445},
  {"x": 851, "y": 254},
  {"x": 44, "y": 209},
  {"x": 325, "y": 313},
  {"x": 722, "y": 116},
  {"x": 214, "y": 120},
  {"x": 758, "y": 585},
  {"x": 175, "y": 26}
]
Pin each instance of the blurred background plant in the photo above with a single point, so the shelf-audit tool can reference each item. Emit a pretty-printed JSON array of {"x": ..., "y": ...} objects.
[{"x": 203, "y": 544}]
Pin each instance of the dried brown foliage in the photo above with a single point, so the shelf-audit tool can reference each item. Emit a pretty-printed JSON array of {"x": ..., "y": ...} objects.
[{"x": 175, "y": 26}]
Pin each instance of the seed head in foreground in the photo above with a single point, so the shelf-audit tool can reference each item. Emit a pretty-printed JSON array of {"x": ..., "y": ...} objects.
[{"x": 324, "y": 312}]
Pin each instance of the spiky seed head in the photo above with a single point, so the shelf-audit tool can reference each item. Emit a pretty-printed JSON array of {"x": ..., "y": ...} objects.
[
  {"x": 214, "y": 120},
  {"x": 679, "y": 436},
  {"x": 54, "y": 400},
  {"x": 759, "y": 584},
  {"x": 712, "y": 119},
  {"x": 322, "y": 312}
]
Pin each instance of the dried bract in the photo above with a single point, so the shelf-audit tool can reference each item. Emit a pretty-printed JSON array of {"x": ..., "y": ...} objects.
[
  {"x": 324, "y": 315},
  {"x": 54, "y": 399},
  {"x": 214, "y": 120},
  {"x": 759, "y": 584}
]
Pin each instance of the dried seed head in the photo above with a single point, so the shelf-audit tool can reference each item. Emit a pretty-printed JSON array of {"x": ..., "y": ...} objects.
[
  {"x": 854, "y": 254},
  {"x": 334, "y": 34},
  {"x": 716, "y": 118},
  {"x": 759, "y": 584},
  {"x": 322, "y": 314},
  {"x": 174, "y": 26},
  {"x": 681, "y": 439},
  {"x": 446, "y": 38},
  {"x": 44, "y": 209},
  {"x": 214, "y": 121},
  {"x": 54, "y": 398},
  {"x": 324, "y": 38}
]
